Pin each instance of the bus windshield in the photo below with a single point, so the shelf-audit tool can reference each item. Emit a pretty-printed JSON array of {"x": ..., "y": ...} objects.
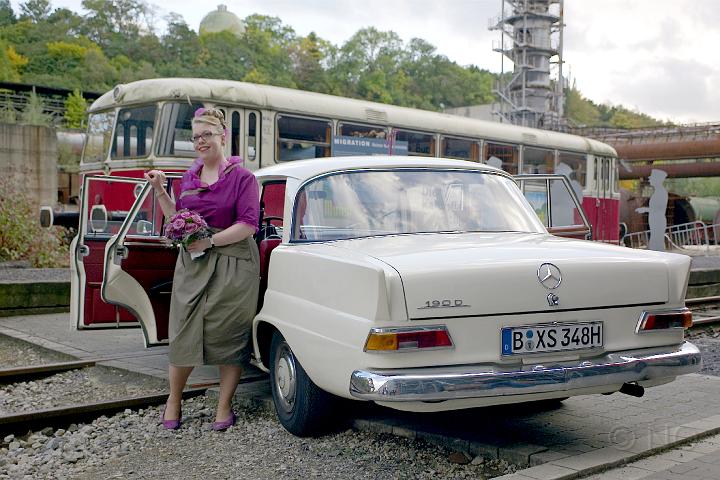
[
  {"x": 367, "y": 203},
  {"x": 133, "y": 132},
  {"x": 99, "y": 135}
]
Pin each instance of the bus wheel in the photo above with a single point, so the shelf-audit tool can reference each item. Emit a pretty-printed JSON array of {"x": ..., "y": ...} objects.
[{"x": 302, "y": 408}]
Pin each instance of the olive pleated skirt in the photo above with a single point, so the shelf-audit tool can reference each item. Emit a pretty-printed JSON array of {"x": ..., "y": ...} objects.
[{"x": 214, "y": 300}]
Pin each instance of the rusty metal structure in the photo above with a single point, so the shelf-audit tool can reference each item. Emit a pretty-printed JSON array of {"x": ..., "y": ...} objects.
[
  {"x": 683, "y": 151},
  {"x": 531, "y": 36}
]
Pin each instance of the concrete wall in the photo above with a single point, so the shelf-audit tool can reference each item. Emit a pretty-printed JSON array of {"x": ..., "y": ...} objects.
[{"x": 28, "y": 158}]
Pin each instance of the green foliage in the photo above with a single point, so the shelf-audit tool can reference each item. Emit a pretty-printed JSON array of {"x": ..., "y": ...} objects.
[
  {"x": 586, "y": 113},
  {"x": 115, "y": 42},
  {"x": 75, "y": 110},
  {"x": 21, "y": 237},
  {"x": 7, "y": 16},
  {"x": 694, "y": 187},
  {"x": 35, "y": 10},
  {"x": 33, "y": 113},
  {"x": 8, "y": 113}
]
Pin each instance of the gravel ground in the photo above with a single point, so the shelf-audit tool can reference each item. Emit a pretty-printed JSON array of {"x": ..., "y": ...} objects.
[
  {"x": 16, "y": 353},
  {"x": 77, "y": 386},
  {"x": 67, "y": 388},
  {"x": 707, "y": 339},
  {"x": 133, "y": 445}
]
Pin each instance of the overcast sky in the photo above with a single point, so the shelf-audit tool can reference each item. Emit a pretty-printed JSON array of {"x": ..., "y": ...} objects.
[{"x": 656, "y": 56}]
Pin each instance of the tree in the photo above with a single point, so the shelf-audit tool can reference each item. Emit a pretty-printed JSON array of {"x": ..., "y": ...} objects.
[
  {"x": 309, "y": 55},
  {"x": 116, "y": 25},
  {"x": 34, "y": 112},
  {"x": 75, "y": 110},
  {"x": 7, "y": 16},
  {"x": 180, "y": 46},
  {"x": 35, "y": 10},
  {"x": 8, "y": 72}
]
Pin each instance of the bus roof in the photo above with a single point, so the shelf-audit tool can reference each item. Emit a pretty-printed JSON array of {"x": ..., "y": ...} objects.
[
  {"x": 287, "y": 100},
  {"x": 304, "y": 169}
]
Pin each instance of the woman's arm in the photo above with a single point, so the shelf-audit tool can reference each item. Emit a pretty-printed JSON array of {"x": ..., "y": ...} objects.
[{"x": 156, "y": 178}]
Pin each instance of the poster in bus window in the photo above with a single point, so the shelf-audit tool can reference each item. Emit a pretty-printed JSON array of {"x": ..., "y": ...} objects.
[{"x": 344, "y": 146}]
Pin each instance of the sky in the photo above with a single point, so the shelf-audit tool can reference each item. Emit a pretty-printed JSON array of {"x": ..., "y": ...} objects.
[{"x": 656, "y": 56}]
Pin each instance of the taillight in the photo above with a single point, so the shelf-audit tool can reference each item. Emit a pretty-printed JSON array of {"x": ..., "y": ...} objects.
[
  {"x": 407, "y": 339},
  {"x": 665, "y": 319}
]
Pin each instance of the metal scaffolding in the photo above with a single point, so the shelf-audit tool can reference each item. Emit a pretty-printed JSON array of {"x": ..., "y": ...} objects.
[{"x": 531, "y": 37}]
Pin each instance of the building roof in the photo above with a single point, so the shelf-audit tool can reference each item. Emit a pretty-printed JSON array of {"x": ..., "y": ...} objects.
[{"x": 221, "y": 20}]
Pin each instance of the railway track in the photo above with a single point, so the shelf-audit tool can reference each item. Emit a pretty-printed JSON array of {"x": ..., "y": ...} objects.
[
  {"x": 63, "y": 416},
  {"x": 706, "y": 310},
  {"x": 20, "y": 424}
]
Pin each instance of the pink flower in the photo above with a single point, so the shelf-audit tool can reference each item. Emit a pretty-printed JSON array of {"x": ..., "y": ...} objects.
[{"x": 178, "y": 223}]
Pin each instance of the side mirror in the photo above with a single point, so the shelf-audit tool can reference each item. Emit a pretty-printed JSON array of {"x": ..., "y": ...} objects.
[
  {"x": 98, "y": 218},
  {"x": 47, "y": 217}
]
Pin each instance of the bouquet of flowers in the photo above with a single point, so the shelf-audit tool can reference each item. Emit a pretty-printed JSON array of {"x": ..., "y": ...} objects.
[{"x": 184, "y": 228}]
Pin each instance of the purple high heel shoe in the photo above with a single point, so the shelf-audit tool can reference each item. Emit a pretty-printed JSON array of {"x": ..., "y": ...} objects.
[
  {"x": 225, "y": 424},
  {"x": 170, "y": 424}
]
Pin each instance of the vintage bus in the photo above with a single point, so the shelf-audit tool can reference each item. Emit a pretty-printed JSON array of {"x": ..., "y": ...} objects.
[{"x": 147, "y": 124}]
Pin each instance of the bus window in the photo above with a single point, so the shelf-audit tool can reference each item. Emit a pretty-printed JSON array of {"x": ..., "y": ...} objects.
[
  {"x": 418, "y": 143},
  {"x": 133, "y": 134},
  {"x": 460, "y": 148},
  {"x": 502, "y": 156},
  {"x": 301, "y": 138},
  {"x": 366, "y": 131},
  {"x": 176, "y": 141},
  {"x": 538, "y": 160},
  {"x": 251, "y": 143},
  {"x": 573, "y": 166}
]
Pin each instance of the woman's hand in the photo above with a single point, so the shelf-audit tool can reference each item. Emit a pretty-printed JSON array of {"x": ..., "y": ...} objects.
[
  {"x": 156, "y": 178},
  {"x": 199, "y": 245}
]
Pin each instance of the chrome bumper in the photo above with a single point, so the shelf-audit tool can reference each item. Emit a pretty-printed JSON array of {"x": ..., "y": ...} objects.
[{"x": 477, "y": 381}]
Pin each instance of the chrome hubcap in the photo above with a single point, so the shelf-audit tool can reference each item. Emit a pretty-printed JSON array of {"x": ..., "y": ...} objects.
[{"x": 285, "y": 379}]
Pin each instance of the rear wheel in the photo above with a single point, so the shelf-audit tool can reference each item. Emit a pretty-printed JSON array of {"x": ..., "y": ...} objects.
[{"x": 302, "y": 407}]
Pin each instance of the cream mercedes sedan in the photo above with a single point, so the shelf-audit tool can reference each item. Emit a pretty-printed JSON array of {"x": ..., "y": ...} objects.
[{"x": 427, "y": 284}]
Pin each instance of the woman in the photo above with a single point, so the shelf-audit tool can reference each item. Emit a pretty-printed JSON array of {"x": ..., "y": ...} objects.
[{"x": 214, "y": 296}]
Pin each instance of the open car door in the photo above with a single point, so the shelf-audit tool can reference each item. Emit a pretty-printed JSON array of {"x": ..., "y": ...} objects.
[
  {"x": 105, "y": 202},
  {"x": 138, "y": 266},
  {"x": 556, "y": 204}
]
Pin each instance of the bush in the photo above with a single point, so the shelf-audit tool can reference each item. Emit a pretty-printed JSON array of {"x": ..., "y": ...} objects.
[{"x": 22, "y": 237}]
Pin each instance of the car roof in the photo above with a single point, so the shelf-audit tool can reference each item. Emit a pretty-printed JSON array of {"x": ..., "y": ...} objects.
[{"x": 305, "y": 169}]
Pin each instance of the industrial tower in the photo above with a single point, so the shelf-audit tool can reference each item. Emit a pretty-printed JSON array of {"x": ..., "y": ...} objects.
[{"x": 531, "y": 37}]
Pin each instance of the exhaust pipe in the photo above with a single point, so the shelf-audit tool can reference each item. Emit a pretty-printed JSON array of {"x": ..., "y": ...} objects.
[{"x": 632, "y": 389}]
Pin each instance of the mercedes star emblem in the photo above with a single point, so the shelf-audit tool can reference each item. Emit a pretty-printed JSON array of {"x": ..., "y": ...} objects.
[{"x": 549, "y": 276}]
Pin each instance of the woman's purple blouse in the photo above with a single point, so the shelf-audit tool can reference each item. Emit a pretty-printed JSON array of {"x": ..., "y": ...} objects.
[{"x": 232, "y": 199}]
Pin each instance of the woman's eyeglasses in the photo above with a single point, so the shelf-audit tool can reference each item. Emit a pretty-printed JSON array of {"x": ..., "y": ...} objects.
[{"x": 206, "y": 136}]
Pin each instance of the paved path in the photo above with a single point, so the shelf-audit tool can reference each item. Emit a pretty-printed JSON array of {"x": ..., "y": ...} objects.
[{"x": 697, "y": 461}]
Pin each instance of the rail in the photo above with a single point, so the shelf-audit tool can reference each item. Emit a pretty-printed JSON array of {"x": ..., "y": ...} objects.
[{"x": 695, "y": 234}]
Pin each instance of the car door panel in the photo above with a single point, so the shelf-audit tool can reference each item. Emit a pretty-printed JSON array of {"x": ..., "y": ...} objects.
[{"x": 139, "y": 267}]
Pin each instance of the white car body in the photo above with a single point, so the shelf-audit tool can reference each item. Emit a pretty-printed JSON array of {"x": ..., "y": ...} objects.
[{"x": 325, "y": 297}]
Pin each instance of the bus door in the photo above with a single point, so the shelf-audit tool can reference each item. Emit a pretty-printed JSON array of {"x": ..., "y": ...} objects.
[
  {"x": 104, "y": 204},
  {"x": 603, "y": 228},
  {"x": 556, "y": 204},
  {"x": 139, "y": 266}
]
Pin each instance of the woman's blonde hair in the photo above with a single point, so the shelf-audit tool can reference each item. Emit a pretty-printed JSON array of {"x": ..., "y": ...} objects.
[{"x": 210, "y": 116}]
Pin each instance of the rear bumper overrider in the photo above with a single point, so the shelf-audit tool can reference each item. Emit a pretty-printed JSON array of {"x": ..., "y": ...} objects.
[{"x": 478, "y": 381}]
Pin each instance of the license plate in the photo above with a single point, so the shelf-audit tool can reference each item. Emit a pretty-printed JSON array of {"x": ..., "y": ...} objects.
[{"x": 551, "y": 338}]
